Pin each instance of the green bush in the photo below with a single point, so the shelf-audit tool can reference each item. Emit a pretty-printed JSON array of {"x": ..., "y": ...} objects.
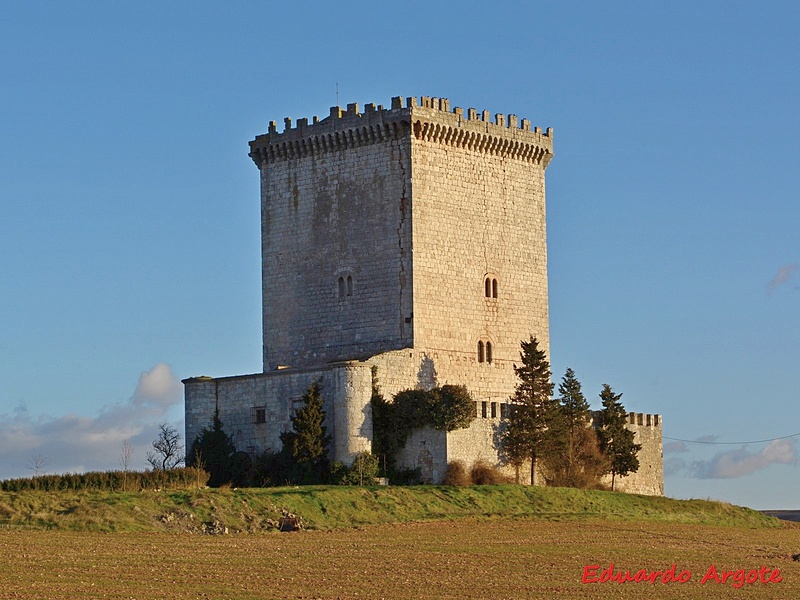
[{"x": 363, "y": 471}]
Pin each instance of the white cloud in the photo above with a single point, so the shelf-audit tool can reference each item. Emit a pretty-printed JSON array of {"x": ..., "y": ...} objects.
[
  {"x": 739, "y": 462},
  {"x": 75, "y": 443},
  {"x": 158, "y": 387}
]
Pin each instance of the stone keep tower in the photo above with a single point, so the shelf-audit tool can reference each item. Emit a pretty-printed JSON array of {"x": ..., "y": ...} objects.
[
  {"x": 406, "y": 244},
  {"x": 411, "y": 227}
]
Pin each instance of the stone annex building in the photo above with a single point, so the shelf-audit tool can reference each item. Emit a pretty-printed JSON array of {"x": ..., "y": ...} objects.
[{"x": 406, "y": 244}]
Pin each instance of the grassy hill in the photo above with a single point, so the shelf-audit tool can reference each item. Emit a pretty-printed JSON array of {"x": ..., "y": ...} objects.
[{"x": 333, "y": 507}]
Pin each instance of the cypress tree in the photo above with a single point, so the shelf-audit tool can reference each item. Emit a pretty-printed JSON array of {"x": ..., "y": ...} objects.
[
  {"x": 616, "y": 440},
  {"x": 212, "y": 450},
  {"x": 582, "y": 463},
  {"x": 534, "y": 423},
  {"x": 308, "y": 441}
]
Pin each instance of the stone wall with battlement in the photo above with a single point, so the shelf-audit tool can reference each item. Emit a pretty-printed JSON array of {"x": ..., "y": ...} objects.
[
  {"x": 430, "y": 118},
  {"x": 649, "y": 479},
  {"x": 256, "y": 409},
  {"x": 336, "y": 244},
  {"x": 379, "y": 228}
]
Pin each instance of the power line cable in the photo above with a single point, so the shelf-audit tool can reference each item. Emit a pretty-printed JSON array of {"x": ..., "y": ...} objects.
[{"x": 785, "y": 437}]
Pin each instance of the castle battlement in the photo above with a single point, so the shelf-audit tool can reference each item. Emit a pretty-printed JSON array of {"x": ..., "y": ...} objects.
[
  {"x": 430, "y": 120},
  {"x": 644, "y": 420},
  {"x": 634, "y": 420}
]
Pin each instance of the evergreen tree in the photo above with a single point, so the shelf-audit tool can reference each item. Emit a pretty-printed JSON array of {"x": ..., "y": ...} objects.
[
  {"x": 308, "y": 441},
  {"x": 582, "y": 462},
  {"x": 534, "y": 422},
  {"x": 616, "y": 440},
  {"x": 213, "y": 449}
]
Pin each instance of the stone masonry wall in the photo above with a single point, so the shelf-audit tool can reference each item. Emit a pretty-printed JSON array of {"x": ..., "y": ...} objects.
[
  {"x": 649, "y": 479},
  {"x": 336, "y": 237},
  {"x": 479, "y": 211},
  {"x": 346, "y": 391}
]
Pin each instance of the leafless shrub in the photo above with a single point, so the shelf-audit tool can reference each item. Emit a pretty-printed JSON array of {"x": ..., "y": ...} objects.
[
  {"x": 482, "y": 473},
  {"x": 456, "y": 474}
]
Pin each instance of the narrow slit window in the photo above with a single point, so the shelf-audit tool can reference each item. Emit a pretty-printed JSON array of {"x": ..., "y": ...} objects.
[
  {"x": 480, "y": 352},
  {"x": 494, "y": 410},
  {"x": 488, "y": 352},
  {"x": 487, "y": 287},
  {"x": 341, "y": 287},
  {"x": 483, "y": 409},
  {"x": 494, "y": 288},
  {"x": 349, "y": 285}
]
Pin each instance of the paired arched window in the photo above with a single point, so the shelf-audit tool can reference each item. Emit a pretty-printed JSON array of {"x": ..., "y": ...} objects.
[
  {"x": 345, "y": 286},
  {"x": 484, "y": 351},
  {"x": 490, "y": 287}
]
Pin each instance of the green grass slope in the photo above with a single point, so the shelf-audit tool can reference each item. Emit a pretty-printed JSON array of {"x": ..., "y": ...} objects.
[{"x": 332, "y": 507}]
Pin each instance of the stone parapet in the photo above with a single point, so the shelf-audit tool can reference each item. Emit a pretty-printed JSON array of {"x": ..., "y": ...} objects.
[
  {"x": 428, "y": 118},
  {"x": 649, "y": 479}
]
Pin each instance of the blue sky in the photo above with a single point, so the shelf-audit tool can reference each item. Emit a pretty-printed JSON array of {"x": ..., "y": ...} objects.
[{"x": 130, "y": 229}]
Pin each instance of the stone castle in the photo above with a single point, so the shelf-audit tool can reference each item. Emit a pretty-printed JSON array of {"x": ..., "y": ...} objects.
[{"x": 404, "y": 244}]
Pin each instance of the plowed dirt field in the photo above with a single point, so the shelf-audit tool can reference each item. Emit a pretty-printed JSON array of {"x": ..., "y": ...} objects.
[{"x": 460, "y": 559}]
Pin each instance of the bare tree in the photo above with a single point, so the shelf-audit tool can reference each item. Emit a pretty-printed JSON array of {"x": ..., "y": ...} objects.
[
  {"x": 37, "y": 464},
  {"x": 167, "y": 452},
  {"x": 199, "y": 466},
  {"x": 125, "y": 457}
]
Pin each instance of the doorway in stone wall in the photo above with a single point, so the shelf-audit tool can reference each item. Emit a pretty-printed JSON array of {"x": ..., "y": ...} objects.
[{"x": 425, "y": 465}]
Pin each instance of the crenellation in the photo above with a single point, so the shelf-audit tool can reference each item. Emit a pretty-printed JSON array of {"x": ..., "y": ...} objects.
[
  {"x": 644, "y": 419},
  {"x": 377, "y": 125}
]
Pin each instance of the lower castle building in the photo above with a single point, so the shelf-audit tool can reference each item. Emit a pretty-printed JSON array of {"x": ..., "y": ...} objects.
[{"x": 405, "y": 244}]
